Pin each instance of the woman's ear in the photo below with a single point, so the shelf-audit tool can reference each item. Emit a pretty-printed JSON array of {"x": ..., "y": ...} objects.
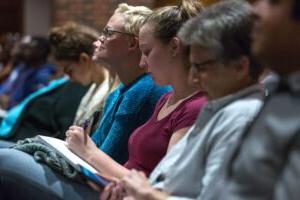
[
  {"x": 84, "y": 59},
  {"x": 176, "y": 46},
  {"x": 133, "y": 43}
]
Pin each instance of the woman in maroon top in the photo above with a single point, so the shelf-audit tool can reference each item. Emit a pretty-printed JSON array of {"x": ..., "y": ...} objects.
[
  {"x": 149, "y": 143},
  {"x": 167, "y": 61}
]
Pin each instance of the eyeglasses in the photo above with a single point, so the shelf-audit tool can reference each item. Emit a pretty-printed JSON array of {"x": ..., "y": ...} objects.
[
  {"x": 108, "y": 32},
  {"x": 203, "y": 65}
]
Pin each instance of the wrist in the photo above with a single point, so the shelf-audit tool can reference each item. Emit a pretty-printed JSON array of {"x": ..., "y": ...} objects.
[{"x": 90, "y": 155}]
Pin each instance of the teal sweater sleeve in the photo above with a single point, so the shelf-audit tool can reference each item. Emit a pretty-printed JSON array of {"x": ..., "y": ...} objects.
[{"x": 126, "y": 109}]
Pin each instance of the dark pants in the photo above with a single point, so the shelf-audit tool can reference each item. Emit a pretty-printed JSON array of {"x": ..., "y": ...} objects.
[{"x": 21, "y": 177}]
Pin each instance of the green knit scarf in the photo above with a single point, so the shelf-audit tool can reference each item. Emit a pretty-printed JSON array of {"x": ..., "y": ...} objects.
[{"x": 45, "y": 154}]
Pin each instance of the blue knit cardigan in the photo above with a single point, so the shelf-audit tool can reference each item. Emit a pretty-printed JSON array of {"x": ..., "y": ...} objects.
[{"x": 126, "y": 108}]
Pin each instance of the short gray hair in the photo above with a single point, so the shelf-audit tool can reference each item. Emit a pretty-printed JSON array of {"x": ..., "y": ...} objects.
[{"x": 224, "y": 31}]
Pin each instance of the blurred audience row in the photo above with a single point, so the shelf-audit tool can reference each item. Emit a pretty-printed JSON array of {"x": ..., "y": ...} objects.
[
  {"x": 25, "y": 68},
  {"x": 171, "y": 103}
]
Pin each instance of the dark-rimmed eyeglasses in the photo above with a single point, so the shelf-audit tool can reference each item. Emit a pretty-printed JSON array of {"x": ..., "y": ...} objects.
[
  {"x": 203, "y": 65},
  {"x": 108, "y": 32}
]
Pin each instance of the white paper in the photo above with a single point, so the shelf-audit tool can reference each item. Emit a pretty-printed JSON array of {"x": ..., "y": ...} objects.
[{"x": 61, "y": 147}]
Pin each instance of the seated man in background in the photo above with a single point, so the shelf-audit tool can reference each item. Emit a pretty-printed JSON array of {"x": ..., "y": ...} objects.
[{"x": 265, "y": 163}]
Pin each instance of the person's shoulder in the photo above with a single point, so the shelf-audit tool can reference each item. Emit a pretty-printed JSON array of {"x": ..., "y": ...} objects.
[
  {"x": 244, "y": 106},
  {"x": 244, "y": 103},
  {"x": 197, "y": 100},
  {"x": 193, "y": 105},
  {"x": 239, "y": 113}
]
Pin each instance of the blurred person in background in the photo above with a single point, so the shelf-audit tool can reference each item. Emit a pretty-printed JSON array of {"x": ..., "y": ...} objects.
[
  {"x": 52, "y": 109},
  {"x": 33, "y": 71},
  {"x": 265, "y": 163},
  {"x": 7, "y": 58}
]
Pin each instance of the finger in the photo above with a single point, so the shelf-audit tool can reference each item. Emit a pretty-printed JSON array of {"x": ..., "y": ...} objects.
[
  {"x": 127, "y": 185},
  {"x": 115, "y": 194},
  {"x": 75, "y": 128},
  {"x": 106, "y": 193},
  {"x": 94, "y": 186},
  {"x": 69, "y": 133},
  {"x": 74, "y": 132},
  {"x": 121, "y": 191}
]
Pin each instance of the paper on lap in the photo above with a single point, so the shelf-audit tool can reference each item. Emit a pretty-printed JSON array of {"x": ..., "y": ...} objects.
[{"x": 79, "y": 164}]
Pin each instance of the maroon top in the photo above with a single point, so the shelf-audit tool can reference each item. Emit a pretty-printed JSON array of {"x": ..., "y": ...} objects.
[{"x": 148, "y": 144}]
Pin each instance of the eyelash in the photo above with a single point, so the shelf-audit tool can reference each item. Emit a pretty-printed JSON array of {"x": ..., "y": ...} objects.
[{"x": 146, "y": 53}]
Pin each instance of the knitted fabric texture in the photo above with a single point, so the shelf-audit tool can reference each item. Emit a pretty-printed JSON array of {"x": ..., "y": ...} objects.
[{"x": 45, "y": 154}]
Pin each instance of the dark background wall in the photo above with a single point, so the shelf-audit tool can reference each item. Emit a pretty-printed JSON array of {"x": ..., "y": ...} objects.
[
  {"x": 11, "y": 13},
  {"x": 37, "y": 16}
]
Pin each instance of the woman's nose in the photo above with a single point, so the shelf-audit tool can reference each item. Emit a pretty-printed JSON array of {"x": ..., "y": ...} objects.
[
  {"x": 143, "y": 63},
  {"x": 101, "y": 38},
  {"x": 97, "y": 43}
]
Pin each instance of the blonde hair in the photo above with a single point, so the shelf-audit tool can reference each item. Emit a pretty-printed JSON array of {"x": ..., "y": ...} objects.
[
  {"x": 135, "y": 17},
  {"x": 167, "y": 20}
]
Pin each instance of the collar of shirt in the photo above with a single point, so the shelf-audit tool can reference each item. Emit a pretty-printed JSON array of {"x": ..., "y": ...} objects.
[
  {"x": 214, "y": 106},
  {"x": 217, "y": 104}
]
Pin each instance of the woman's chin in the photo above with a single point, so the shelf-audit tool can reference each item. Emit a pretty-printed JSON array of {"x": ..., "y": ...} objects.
[{"x": 159, "y": 83}]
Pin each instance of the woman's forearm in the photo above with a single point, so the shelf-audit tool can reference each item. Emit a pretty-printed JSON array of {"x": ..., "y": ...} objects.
[{"x": 106, "y": 165}]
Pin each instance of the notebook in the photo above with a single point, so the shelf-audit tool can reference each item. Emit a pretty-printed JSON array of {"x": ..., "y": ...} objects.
[{"x": 79, "y": 164}]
